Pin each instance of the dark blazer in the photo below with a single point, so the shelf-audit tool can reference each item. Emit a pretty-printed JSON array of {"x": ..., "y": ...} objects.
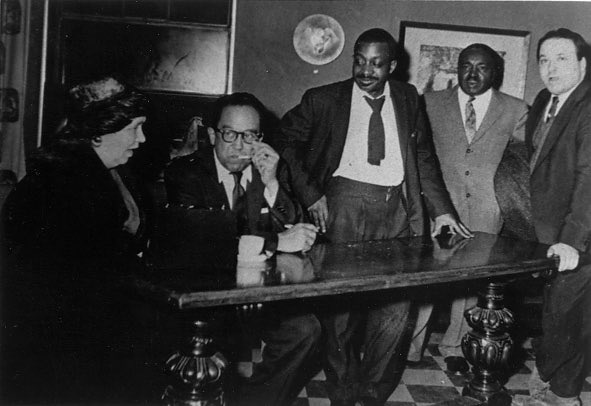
[
  {"x": 192, "y": 182},
  {"x": 68, "y": 208},
  {"x": 61, "y": 281},
  {"x": 561, "y": 179},
  {"x": 314, "y": 134}
]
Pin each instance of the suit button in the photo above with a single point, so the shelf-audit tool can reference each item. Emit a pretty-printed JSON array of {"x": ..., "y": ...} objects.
[
  {"x": 468, "y": 151},
  {"x": 467, "y": 173},
  {"x": 468, "y": 195}
]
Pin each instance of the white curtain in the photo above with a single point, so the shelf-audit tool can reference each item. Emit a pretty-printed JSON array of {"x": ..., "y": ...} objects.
[{"x": 12, "y": 150}]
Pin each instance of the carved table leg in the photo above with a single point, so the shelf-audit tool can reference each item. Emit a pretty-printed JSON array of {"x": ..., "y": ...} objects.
[
  {"x": 196, "y": 371},
  {"x": 488, "y": 346}
]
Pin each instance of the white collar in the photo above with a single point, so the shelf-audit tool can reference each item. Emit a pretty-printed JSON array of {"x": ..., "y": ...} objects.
[
  {"x": 483, "y": 98},
  {"x": 563, "y": 96}
]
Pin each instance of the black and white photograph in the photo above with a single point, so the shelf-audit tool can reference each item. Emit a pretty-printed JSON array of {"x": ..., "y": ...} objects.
[{"x": 295, "y": 203}]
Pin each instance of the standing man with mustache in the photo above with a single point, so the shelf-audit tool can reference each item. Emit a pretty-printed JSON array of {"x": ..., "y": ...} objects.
[
  {"x": 472, "y": 124},
  {"x": 363, "y": 165}
]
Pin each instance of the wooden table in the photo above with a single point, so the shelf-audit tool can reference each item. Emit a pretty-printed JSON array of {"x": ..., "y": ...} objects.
[{"x": 213, "y": 280}]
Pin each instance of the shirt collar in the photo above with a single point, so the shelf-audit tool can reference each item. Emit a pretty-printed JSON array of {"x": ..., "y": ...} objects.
[
  {"x": 562, "y": 97},
  {"x": 224, "y": 174},
  {"x": 483, "y": 98}
]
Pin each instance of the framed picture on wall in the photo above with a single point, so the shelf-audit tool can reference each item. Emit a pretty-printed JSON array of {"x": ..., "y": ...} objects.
[
  {"x": 190, "y": 59},
  {"x": 433, "y": 51}
]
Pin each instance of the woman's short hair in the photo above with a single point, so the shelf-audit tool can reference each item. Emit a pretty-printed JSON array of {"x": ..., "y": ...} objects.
[{"x": 100, "y": 107}]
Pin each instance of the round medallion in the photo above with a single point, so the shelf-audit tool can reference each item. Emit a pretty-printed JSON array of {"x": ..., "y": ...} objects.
[{"x": 318, "y": 39}]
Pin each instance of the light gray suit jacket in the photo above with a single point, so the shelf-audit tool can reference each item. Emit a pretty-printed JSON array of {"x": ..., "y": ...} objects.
[{"x": 469, "y": 169}]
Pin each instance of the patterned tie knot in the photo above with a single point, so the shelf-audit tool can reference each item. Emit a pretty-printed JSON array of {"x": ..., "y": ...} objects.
[
  {"x": 553, "y": 108},
  {"x": 471, "y": 99},
  {"x": 375, "y": 104}
]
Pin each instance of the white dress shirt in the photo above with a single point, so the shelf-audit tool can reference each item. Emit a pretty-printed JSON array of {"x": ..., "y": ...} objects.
[
  {"x": 480, "y": 104},
  {"x": 353, "y": 164},
  {"x": 227, "y": 179}
]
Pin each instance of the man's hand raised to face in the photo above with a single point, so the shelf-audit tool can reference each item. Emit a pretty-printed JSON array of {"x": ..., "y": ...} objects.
[{"x": 265, "y": 159}]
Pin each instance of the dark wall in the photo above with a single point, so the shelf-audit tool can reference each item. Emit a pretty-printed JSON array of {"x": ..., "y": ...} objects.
[{"x": 267, "y": 65}]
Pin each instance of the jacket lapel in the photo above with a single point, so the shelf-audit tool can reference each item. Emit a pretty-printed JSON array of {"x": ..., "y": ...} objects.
[
  {"x": 455, "y": 116},
  {"x": 535, "y": 114},
  {"x": 218, "y": 196},
  {"x": 255, "y": 196},
  {"x": 493, "y": 112},
  {"x": 561, "y": 120},
  {"x": 401, "y": 111},
  {"x": 340, "y": 126}
]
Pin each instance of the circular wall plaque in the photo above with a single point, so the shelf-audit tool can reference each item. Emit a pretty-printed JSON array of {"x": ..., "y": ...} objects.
[{"x": 318, "y": 39}]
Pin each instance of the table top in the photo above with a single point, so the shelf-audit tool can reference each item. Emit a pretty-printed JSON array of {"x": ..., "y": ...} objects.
[{"x": 215, "y": 278}]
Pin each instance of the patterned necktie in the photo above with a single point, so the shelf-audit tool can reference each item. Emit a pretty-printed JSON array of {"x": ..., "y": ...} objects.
[
  {"x": 238, "y": 190},
  {"x": 553, "y": 107},
  {"x": 470, "y": 120},
  {"x": 376, "y": 150}
]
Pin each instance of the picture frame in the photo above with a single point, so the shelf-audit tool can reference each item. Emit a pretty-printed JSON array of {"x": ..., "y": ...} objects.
[
  {"x": 433, "y": 51},
  {"x": 169, "y": 58}
]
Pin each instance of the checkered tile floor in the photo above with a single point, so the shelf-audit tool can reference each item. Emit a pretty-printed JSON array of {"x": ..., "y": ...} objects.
[{"x": 423, "y": 384}]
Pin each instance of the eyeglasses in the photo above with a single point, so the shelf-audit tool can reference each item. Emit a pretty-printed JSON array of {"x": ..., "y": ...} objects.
[{"x": 247, "y": 136}]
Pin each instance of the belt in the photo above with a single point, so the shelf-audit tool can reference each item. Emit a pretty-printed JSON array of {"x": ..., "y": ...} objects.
[{"x": 353, "y": 187}]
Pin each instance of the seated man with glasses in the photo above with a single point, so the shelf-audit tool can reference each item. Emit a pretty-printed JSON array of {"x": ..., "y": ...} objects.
[{"x": 244, "y": 177}]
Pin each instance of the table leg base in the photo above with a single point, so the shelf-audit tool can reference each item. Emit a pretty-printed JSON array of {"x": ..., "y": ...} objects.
[
  {"x": 498, "y": 398},
  {"x": 171, "y": 397},
  {"x": 196, "y": 371}
]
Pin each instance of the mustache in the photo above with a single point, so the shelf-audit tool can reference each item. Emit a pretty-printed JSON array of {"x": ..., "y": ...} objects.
[{"x": 361, "y": 76}]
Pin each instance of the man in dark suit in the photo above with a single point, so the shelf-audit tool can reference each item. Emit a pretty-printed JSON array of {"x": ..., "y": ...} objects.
[
  {"x": 240, "y": 177},
  {"x": 362, "y": 162},
  {"x": 558, "y": 137}
]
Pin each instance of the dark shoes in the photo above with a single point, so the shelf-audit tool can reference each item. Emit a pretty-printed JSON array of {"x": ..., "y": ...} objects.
[{"x": 457, "y": 365}]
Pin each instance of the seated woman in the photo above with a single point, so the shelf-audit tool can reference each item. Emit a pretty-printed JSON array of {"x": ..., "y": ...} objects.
[{"x": 72, "y": 227}]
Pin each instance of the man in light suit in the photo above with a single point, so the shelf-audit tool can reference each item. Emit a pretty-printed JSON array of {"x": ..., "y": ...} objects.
[
  {"x": 471, "y": 125},
  {"x": 362, "y": 162},
  {"x": 558, "y": 138},
  {"x": 241, "y": 176}
]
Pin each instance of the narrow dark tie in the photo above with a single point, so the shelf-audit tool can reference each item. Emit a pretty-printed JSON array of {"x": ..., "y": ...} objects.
[
  {"x": 376, "y": 139},
  {"x": 553, "y": 107},
  {"x": 238, "y": 190},
  {"x": 470, "y": 120}
]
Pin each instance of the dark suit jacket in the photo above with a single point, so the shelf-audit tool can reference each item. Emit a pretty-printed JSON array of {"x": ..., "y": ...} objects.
[
  {"x": 561, "y": 180},
  {"x": 314, "y": 134},
  {"x": 192, "y": 182},
  {"x": 68, "y": 209},
  {"x": 67, "y": 253}
]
